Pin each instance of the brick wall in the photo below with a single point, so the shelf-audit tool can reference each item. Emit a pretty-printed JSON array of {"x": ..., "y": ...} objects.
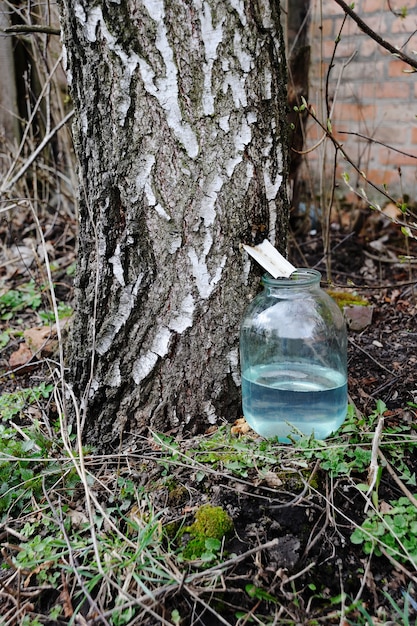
[{"x": 371, "y": 93}]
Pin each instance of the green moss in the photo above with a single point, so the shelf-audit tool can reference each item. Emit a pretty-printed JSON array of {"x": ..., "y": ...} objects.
[
  {"x": 211, "y": 525},
  {"x": 211, "y": 522},
  {"x": 194, "y": 548},
  {"x": 344, "y": 298}
]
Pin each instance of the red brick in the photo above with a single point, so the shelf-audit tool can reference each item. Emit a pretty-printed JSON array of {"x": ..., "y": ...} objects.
[
  {"x": 314, "y": 134},
  {"x": 330, "y": 7},
  {"x": 388, "y": 157},
  {"x": 329, "y": 48},
  {"x": 386, "y": 90},
  {"x": 397, "y": 113},
  {"x": 327, "y": 28},
  {"x": 359, "y": 71},
  {"x": 366, "y": 46},
  {"x": 397, "y": 68},
  {"x": 340, "y": 129},
  {"x": 392, "y": 135},
  {"x": 355, "y": 112},
  {"x": 377, "y": 23},
  {"x": 404, "y": 25},
  {"x": 382, "y": 176},
  {"x": 368, "y": 6},
  {"x": 347, "y": 29},
  {"x": 376, "y": 95}
]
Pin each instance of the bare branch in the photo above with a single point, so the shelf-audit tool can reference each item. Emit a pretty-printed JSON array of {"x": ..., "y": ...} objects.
[
  {"x": 368, "y": 31},
  {"x": 8, "y": 184},
  {"x": 30, "y": 28}
]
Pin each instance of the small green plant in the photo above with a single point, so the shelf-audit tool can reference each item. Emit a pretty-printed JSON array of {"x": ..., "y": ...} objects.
[
  {"x": 212, "y": 524},
  {"x": 28, "y": 296},
  {"x": 43, "y": 550},
  {"x": 27, "y": 457},
  {"x": 336, "y": 455},
  {"x": 350, "y": 450},
  {"x": 12, "y": 404},
  {"x": 394, "y": 531},
  {"x": 4, "y": 338},
  {"x": 259, "y": 594},
  {"x": 15, "y": 301},
  {"x": 202, "y": 548},
  {"x": 124, "y": 547},
  {"x": 235, "y": 455},
  {"x": 64, "y": 310},
  {"x": 27, "y": 468}
]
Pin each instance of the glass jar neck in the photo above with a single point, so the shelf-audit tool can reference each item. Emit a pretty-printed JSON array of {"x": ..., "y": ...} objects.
[{"x": 300, "y": 280}]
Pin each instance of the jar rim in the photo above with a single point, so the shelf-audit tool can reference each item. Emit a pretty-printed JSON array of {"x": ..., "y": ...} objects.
[{"x": 301, "y": 277}]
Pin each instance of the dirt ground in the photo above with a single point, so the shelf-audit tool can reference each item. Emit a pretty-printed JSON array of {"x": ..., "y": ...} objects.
[
  {"x": 382, "y": 356},
  {"x": 290, "y": 540}
]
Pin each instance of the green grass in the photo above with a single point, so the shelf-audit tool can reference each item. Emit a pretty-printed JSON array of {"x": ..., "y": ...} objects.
[{"x": 82, "y": 518}]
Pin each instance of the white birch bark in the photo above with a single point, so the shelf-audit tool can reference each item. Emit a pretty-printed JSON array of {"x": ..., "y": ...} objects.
[{"x": 180, "y": 138}]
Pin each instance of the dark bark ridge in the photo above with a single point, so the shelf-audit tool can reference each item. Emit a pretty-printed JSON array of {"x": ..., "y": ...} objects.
[{"x": 181, "y": 159}]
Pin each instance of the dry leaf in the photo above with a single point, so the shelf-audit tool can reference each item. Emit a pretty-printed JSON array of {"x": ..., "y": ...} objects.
[
  {"x": 41, "y": 339},
  {"x": 65, "y": 599},
  {"x": 384, "y": 507},
  {"x": 271, "y": 479},
  {"x": 240, "y": 427},
  {"x": 20, "y": 358},
  {"x": 78, "y": 518}
]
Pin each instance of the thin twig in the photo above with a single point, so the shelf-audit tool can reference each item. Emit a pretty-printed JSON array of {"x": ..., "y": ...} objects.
[
  {"x": 398, "y": 565},
  {"x": 338, "y": 146},
  {"x": 7, "y": 185},
  {"x": 373, "y": 469},
  {"x": 29, "y": 29},
  {"x": 298, "y": 574},
  {"x": 397, "y": 480},
  {"x": 370, "y": 356},
  {"x": 232, "y": 561},
  {"x": 80, "y": 469},
  {"x": 363, "y": 579},
  {"x": 61, "y": 525},
  {"x": 380, "y": 143},
  {"x": 323, "y": 526},
  {"x": 371, "y": 33},
  {"x": 44, "y": 90}
]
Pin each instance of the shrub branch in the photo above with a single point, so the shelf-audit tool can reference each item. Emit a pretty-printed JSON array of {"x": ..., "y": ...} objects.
[{"x": 371, "y": 33}]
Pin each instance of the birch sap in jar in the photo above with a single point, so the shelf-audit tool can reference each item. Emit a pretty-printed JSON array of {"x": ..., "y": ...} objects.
[{"x": 293, "y": 358}]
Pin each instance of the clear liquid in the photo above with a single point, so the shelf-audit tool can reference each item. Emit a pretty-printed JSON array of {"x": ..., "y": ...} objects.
[{"x": 280, "y": 396}]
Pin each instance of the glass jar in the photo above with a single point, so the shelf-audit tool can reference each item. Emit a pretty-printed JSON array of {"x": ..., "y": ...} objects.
[{"x": 293, "y": 359}]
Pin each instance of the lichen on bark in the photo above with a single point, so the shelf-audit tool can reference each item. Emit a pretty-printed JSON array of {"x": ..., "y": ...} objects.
[{"x": 176, "y": 170}]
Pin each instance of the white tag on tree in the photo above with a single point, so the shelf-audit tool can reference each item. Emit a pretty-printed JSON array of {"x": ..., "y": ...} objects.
[{"x": 270, "y": 259}]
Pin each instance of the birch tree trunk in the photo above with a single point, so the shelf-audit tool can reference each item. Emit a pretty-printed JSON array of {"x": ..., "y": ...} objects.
[{"x": 180, "y": 135}]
